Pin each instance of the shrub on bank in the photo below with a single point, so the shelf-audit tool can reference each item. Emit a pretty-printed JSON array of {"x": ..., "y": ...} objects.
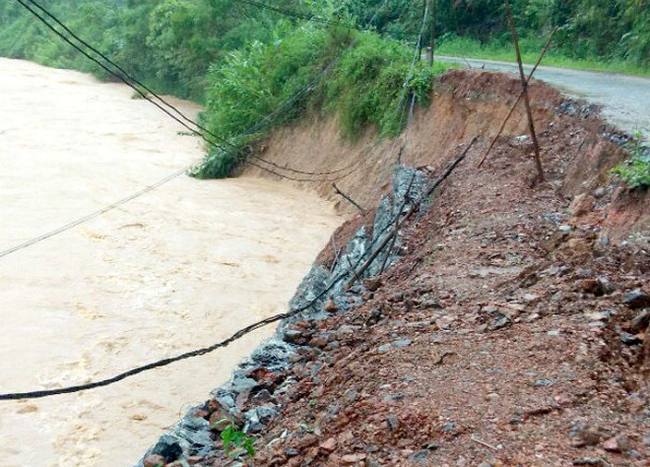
[{"x": 368, "y": 81}]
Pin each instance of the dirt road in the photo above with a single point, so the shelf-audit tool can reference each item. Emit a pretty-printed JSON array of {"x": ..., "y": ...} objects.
[{"x": 625, "y": 100}]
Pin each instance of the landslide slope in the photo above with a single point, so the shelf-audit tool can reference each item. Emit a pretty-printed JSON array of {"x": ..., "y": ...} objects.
[{"x": 513, "y": 330}]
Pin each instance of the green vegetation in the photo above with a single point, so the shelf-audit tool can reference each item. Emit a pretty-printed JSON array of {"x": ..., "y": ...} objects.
[
  {"x": 609, "y": 35},
  {"x": 465, "y": 47},
  {"x": 365, "y": 86},
  {"x": 244, "y": 62},
  {"x": 235, "y": 442},
  {"x": 635, "y": 172}
]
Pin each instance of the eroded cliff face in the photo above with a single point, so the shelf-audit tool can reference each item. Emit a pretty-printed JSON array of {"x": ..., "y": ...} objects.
[
  {"x": 508, "y": 326},
  {"x": 465, "y": 103}
]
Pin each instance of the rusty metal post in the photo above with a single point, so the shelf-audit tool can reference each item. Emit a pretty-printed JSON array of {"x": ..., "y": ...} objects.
[{"x": 524, "y": 84}]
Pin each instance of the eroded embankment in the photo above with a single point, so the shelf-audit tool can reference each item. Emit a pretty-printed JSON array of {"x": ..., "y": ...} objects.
[
  {"x": 510, "y": 331},
  {"x": 465, "y": 104}
]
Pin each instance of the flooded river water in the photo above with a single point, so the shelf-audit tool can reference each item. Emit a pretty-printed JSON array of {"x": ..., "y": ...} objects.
[{"x": 176, "y": 269}]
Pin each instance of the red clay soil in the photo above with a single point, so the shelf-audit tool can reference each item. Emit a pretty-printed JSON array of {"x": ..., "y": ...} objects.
[
  {"x": 508, "y": 334},
  {"x": 497, "y": 340}
]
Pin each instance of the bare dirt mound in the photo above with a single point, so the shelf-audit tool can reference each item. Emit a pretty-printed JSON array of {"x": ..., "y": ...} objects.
[
  {"x": 510, "y": 334},
  {"x": 513, "y": 331}
]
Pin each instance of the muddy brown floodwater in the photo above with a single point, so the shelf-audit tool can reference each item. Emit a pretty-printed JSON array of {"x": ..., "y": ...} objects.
[{"x": 176, "y": 269}]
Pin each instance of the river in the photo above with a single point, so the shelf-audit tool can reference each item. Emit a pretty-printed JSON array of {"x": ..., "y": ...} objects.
[{"x": 176, "y": 269}]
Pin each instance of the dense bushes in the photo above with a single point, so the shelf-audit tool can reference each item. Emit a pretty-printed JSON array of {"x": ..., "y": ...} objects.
[
  {"x": 364, "y": 86},
  {"x": 169, "y": 44},
  {"x": 600, "y": 30}
]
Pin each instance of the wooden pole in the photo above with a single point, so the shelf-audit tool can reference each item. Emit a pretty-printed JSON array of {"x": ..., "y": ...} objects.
[
  {"x": 433, "y": 33},
  {"x": 524, "y": 85},
  {"x": 350, "y": 200},
  {"x": 521, "y": 94}
]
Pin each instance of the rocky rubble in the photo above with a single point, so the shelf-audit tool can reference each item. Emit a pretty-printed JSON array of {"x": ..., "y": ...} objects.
[
  {"x": 511, "y": 330},
  {"x": 252, "y": 398}
]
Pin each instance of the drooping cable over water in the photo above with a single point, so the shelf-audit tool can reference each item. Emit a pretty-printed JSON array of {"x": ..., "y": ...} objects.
[
  {"x": 95, "y": 214},
  {"x": 124, "y": 75},
  {"x": 247, "y": 330},
  {"x": 176, "y": 174},
  {"x": 133, "y": 83},
  {"x": 112, "y": 72}
]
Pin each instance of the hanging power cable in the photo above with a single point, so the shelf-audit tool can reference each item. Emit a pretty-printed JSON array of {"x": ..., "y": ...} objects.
[
  {"x": 144, "y": 91},
  {"x": 176, "y": 174}
]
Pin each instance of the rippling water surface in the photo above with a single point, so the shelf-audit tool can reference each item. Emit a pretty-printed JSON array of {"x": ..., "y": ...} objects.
[{"x": 176, "y": 269}]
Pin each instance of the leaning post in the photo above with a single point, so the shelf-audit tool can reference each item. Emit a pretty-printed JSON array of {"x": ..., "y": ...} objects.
[{"x": 524, "y": 84}]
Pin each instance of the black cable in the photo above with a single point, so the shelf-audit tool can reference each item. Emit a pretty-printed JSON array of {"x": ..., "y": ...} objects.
[
  {"x": 133, "y": 81},
  {"x": 112, "y": 73},
  {"x": 203, "y": 351},
  {"x": 97, "y": 213},
  {"x": 296, "y": 14},
  {"x": 166, "y": 361},
  {"x": 124, "y": 76}
]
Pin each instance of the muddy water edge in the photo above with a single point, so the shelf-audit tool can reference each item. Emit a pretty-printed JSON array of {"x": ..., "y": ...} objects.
[{"x": 176, "y": 269}]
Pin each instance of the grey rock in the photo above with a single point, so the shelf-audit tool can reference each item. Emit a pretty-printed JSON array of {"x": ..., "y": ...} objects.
[
  {"x": 420, "y": 456},
  {"x": 169, "y": 446},
  {"x": 597, "y": 461},
  {"x": 640, "y": 322},
  {"x": 637, "y": 299},
  {"x": 262, "y": 397},
  {"x": 449, "y": 427},
  {"x": 393, "y": 423},
  {"x": 293, "y": 336},
  {"x": 394, "y": 397},
  {"x": 316, "y": 369},
  {"x": 543, "y": 383},
  {"x": 241, "y": 383},
  {"x": 226, "y": 400},
  {"x": 258, "y": 418},
  {"x": 501, "y": 321},
  {"x": 630, "y": 339},
  {"x": 599, "y": 193},
  {"x": 402, "y": 343}
]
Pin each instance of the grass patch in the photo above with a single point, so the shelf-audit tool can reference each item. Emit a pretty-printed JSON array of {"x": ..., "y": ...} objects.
[
  {"x": 635, "y": 172},
  {"x": 465, "y": 47}
]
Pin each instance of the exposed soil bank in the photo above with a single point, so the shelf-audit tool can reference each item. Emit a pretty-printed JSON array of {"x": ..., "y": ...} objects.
[
  {"x": 465, "y": 103},
  {"x": 513, "y": 331},
  {"x": 179, "y": 268}
]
